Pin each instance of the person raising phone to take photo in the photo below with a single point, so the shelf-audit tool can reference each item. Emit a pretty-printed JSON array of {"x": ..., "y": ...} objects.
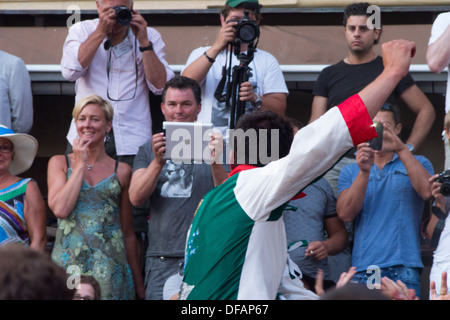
[{"x": 385, "y": 193}]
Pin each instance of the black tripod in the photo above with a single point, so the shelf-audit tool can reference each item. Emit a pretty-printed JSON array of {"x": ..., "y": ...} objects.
[{"x": 240, "y": 74}]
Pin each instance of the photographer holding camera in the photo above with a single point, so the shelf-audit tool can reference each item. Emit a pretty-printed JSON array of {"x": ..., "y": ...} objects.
[
  {"x": 119, "y": 58},
  {"x": 384, "y": 193},
  {"x": 265, "y": 89}
]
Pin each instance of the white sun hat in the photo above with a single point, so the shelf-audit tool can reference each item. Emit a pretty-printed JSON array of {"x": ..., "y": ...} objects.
[{"x": 25, "y": 149}]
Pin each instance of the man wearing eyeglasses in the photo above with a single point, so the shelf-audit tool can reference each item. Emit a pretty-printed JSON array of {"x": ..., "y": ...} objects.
[{"x": 120, "y": 61}]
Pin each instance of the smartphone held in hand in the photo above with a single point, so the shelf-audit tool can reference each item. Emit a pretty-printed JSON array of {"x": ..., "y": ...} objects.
[{"x": 377, "y": 143}]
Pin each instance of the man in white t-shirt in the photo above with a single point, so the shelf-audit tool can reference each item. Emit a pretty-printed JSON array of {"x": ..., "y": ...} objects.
[
  {"x": 266, "y": 88},
  {"x": 438, "y": 58}
]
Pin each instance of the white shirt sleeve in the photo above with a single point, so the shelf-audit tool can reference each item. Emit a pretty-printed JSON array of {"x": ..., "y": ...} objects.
[
  {"x": 71, "y": 68},
  {"x": 439, "y": 26}
]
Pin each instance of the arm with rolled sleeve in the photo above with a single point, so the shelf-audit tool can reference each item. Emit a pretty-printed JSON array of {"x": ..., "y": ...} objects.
[
  {"x": 82, "y": 32},
  {"x": 158, "y": 48},
  {"x": 71, "y": 67}
]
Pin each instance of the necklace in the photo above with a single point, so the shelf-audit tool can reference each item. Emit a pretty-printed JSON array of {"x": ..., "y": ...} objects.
[{"x": 90, "y": 166}]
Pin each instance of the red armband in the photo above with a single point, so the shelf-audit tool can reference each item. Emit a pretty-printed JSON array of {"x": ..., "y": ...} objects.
[{"x": 358, "y": 120}]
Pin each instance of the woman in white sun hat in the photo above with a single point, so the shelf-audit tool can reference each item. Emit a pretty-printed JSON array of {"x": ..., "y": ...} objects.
[{"x": 22, "y": 208}]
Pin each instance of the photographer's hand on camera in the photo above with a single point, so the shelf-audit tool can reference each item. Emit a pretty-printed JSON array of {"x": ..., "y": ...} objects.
[
  {"x": 199, "y": 68},
  {"x": 139, "y": 28},
  {"x": 227, "y": 34},
  {"x": 440, "y": 200},
  {"x": 155, "y": 72},
  {"x": 88, "y": 49},
  {"x": 107, "y": 20}
]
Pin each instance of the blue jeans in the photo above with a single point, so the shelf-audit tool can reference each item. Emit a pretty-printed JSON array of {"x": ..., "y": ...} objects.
[{"x": 409, "y": 276}]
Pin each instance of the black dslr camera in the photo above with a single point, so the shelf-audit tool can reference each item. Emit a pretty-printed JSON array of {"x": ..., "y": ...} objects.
[
  {"x": 123, "y": 15},
  {"x": 247, "y": 30},
  {"x": 444, "y": 178}
]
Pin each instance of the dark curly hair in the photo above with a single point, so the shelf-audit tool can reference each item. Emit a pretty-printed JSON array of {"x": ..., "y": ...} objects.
[
  {"x": 252, "y": 138},
  {"x": 358, "y": 9}
]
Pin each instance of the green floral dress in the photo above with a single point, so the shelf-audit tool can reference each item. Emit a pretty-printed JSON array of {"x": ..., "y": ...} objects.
[{"x": 90, "y": 239}]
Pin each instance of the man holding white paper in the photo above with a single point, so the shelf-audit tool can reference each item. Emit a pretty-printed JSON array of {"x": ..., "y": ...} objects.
[{"x": 174, "y": 188}]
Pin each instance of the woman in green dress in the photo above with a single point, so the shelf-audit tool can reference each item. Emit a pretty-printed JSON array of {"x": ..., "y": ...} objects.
[{"x": 88, "y": 193}]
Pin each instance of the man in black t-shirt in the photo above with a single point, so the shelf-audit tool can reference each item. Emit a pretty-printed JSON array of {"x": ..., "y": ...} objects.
[
  {"x": 342, "y": 80},
  {"x": 347, "y": 77},
  {"x": 362, "y": 66}
]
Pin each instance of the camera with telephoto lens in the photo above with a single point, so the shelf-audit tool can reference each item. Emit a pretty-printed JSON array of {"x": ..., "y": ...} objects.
[
  {"x": 123, "y": 15},
  {"x": 247, "y": 30},
  {"x": 444, "y": 178}
]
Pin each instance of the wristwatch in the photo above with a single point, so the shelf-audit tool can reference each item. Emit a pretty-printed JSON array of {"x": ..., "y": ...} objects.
[
  {"x": 149, "y": 47},
  {"x": 410, "y": 147},
  {"x": 257, "y": 103}
]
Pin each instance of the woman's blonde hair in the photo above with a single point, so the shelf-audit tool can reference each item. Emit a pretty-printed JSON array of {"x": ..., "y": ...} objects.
[{"x": 105, "y": 105}]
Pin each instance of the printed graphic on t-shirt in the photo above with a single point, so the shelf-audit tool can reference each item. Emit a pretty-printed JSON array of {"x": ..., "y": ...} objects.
[{"x": 177, "y": 180}]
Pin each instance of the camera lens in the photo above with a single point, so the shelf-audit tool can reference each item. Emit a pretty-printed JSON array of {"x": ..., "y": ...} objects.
[
  {"x": 123, "y": 16},
  {"x": 445, "y": 189},
  {"x": 247, "y": 32}
]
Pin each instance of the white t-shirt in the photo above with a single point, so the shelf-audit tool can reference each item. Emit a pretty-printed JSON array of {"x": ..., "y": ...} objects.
[
  {"x": 439, "y": 26},
  {"x": 266, "y": 77}
]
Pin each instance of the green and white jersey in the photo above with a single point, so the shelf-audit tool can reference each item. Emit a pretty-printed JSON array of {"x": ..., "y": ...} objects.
[
  {"x": 236, "y": 247},
  {"x": 229, "y": 234}
]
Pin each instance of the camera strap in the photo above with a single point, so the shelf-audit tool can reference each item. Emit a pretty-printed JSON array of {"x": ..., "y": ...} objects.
[
  {"x": 136, "y": 70},
  {"x": 218, "y": 94},
  {"x": 439, "y": 225}
]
